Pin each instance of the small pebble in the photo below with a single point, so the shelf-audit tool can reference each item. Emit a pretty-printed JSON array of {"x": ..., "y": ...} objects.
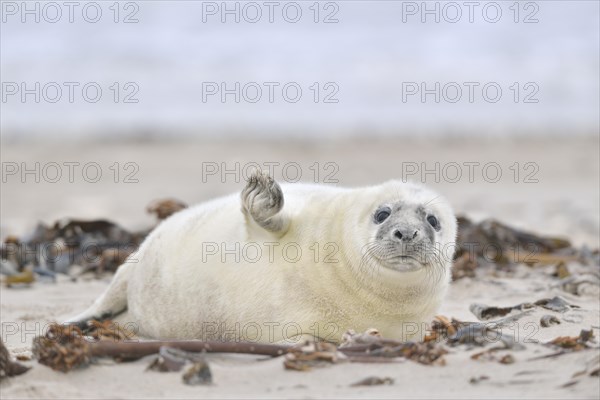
[
  {"x": 373, "y": 381},
  {"x": 478, "y": 379},
  {"x": 507, "y": 359}
]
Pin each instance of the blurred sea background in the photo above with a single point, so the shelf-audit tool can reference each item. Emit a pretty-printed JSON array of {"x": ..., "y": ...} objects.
[{"x": 368, "y": 53}]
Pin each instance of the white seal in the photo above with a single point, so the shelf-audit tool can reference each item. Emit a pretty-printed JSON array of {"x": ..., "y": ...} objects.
[{"x": 330, "y": 260}]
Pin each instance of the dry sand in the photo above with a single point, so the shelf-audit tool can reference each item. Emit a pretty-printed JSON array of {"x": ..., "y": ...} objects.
[{"x": 564, "y": 202}]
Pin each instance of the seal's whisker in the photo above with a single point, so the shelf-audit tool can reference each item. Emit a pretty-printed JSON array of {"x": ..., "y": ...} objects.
[
  {"x": 374, "y": 251},
  {"x": 437, "y": 270},
  {"x": 429, "y": 202}
]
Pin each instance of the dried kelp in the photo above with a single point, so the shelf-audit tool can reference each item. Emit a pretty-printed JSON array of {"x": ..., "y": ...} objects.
[
  {"x": 313, "y": 355},
  {"x": 198, "y": 374},
  {"x": 441, "y": 328},
  {"x": 108, "y": 330},
  {"x": 164, "y": 208},
  {"x": 456, "y": 332},
  {"x": 62, "y": 348},
  {"x": 8, "y": 367},
  {"x": 464, "y": 266},
  {"x": 485, "y": 312},
  {"x": 556, "y": 303},
  {"x": 426, "y": 353},
  {"x": 500, "y": 235},
  {"x": 97, "y": 245},
  {"x": 548, "y": 320},
  {"x": 475, "y": 334},
  {"x": 493, "y": 242},
  {"x": 491, "y": 355},
  {"x": 574, "y": 343}
]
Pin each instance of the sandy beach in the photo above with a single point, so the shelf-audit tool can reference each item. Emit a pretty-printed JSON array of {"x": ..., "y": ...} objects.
[
  {"x": 548, "y": 186},
  {"x": 110, "y": 108}
]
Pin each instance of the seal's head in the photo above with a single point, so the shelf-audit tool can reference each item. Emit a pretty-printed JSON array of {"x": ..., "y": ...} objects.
[{"x": 407, "y": 228}]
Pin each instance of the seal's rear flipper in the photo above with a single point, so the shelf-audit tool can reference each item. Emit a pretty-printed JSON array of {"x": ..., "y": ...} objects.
[{"x": 111, "y": 303}]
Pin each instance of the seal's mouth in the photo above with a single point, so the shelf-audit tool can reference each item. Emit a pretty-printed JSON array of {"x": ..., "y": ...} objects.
[
  {"x": 398, "y": 258},
  {"x": 403, "y": 263}
]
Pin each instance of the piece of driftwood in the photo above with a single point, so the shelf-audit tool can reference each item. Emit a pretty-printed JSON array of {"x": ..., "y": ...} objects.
[{"x": 65, "y": 347}]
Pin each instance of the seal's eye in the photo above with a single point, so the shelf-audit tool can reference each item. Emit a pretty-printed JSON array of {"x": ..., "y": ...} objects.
[
  {"x": 433, "y": 222},
  {"x": 382, "y": 214}
]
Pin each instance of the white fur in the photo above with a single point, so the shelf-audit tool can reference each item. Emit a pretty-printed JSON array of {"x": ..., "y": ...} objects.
[{"x": 172, "y": 290}]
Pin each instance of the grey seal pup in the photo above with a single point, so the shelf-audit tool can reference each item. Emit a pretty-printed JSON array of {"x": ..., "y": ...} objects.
[{"x": 253, "y": 269}]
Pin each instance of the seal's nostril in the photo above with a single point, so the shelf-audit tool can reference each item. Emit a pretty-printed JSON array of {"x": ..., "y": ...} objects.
[
  {"x": 415, "y": 235},
  {"x": 398, "y": 234}
]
